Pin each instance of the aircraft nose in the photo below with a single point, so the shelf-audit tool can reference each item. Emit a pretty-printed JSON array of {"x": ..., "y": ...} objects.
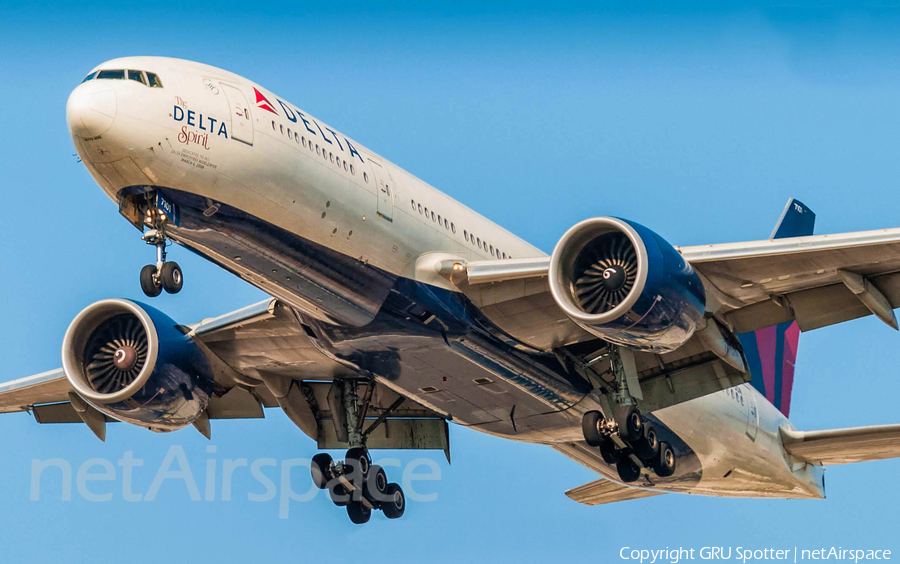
[{"x": 91, "y": 109}]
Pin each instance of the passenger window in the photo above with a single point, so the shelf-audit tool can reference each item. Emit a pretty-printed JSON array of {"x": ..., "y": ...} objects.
[
  {"x": 289, "y": 133},
  {"x": 432, "y": 216},
  {"x": 137, "y": 76},
  {"x": 90, "y": 76},
  {"x": 446, "y": 224},
  {"x": 274, "y": 127},
  {"x": 154, "y": 80},
  {"x": 504, "y": 255},
  {"x": 452, "y": 227},
  {"x": 479, "y": 241},
  {"x": 439, "y": 219},
  {"x": 413, "y": 202},
  {"x": 317, "y": 149},
  {"x": 282, "y": 129},
  {"x": 303, "y": 141},
  {"x": 420, "y": 209},
  {"x": 331, "y": 156},
  {"x": 426, "y": 211},
  {"x": 337, "y": 161},
  {"x": 492, "y": 250},
  {"x": 366, "y": 176},
  {"x": 352, "y": 170},
  {"x": 111, "y": 74},
  {"x": 345, "y": 165},
  {"x": 296, "y": 137}
]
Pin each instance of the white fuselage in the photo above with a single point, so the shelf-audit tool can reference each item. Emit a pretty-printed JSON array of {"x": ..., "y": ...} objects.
[{"x": 217, "y": 135}]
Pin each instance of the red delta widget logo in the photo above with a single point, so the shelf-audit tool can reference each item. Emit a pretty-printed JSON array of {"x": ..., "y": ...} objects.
[{"x": 205, "y": 124}]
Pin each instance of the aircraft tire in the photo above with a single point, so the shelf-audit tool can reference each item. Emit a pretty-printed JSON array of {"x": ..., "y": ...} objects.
[
  {"x": 630, "y": 422},
  {"x": 339, "y": 495},
  {"x": 150, "y": 287},
  {"x": 358, "y": 512},
  {"x": 590, "y": 427},
  {"x": 171, "y": 277},
  {"x": 664, "y": 465},
  {"x": 320, "y": 469},
  {"x": 608, "y": 452},
  {"x": 628, "y": 470},
  {"x": 395, "y": 506},
  {"x": 647, "y": 447}
]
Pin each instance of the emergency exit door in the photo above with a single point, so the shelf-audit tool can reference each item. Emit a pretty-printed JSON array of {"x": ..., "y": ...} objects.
[{"x": 385, "y": 191}]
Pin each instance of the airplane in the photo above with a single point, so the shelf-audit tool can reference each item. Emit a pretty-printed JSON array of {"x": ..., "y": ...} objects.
[{"x": 395, "y": 309}]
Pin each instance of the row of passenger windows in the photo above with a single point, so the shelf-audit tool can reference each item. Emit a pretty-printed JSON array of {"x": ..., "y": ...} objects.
[
  {"x": 450, "y": 226},
  {"x": 146, "y": 78},
  {"x": 321, "y": 151}
]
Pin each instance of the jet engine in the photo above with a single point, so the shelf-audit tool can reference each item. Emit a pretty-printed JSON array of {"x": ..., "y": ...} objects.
[
  {"x": 135, "y": 364},
  {"x": 626, "y": 284}
]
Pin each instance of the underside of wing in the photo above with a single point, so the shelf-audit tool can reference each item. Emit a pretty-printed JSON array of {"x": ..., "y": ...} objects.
[{"x": 843, "y": 446}]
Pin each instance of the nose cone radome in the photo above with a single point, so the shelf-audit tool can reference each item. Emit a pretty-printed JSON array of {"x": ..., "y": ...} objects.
[{"x": 91, "y": 109}]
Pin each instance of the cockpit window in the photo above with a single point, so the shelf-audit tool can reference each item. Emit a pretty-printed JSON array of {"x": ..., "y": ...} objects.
[
  {"x": 147, "y": 78},
  {"x": 111, "y": 74},
  {"x": 136, "y": 75},
  {"x": 154, "y": 80}
]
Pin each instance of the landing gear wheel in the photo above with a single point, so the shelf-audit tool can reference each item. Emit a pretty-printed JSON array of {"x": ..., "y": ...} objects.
[
  {"x": 628, "y": 470},
  {"x": 358, "y": 457},
  {"x": 359, "y": 513},
  {"x": 339, "y": 495},
  {"x": 321, "y": 469},
  {"x": 608, "y": 452},
  {"x": 647, "y": 447},
  {"x": 590, "y": 427},
  {"x": 376, "y": 484},
  {"x": 171, "y": 277},
  {"x": 664, "y": 465},
  {"x": 395, "y": 505},
  {"x": 149, "y": 284},
  {"x": 630, "y": 422}
]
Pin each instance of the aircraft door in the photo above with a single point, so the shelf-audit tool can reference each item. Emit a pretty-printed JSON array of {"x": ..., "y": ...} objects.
[
  {"x": 385, "y": 191},
  {"x": 239, "y": 110},
  {"x": 752, "y": 413}
]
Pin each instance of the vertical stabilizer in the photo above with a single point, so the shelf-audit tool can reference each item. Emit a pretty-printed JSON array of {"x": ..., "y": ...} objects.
[{"x": 772, "y": 351}]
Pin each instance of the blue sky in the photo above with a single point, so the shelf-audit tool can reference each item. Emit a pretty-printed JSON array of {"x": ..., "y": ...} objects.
[{"x": 699, "y": 123}]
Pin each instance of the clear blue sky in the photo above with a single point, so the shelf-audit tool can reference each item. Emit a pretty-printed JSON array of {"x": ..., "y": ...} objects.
[{"x": 699, "y": 124}]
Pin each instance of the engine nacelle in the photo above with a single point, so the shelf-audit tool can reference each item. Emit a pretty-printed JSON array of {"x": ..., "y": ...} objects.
[
  {"x": 133, "y": 363},
  {"x": 626, "y": 284}
]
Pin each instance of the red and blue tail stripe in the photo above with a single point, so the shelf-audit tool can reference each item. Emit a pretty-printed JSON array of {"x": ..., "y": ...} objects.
[
  {"x": 771, "y": 352},
  {"x": 771, "y": 355}
]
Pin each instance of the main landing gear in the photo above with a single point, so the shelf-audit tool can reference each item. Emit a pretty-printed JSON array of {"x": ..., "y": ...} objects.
[
  {"x": 358, "y": 485},
  {"x": 625, "y": 440},
  {"x": 163, "y": 275}
]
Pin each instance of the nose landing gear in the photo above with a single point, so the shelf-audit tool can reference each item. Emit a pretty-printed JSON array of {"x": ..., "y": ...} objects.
[{"x": 163, "y": 275}]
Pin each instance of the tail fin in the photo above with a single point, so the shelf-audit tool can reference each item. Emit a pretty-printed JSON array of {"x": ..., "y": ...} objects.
[{"x": 771, "y": 352}]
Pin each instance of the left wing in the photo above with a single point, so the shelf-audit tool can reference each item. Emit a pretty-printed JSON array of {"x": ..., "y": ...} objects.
[{"x": 272, "y": 360}]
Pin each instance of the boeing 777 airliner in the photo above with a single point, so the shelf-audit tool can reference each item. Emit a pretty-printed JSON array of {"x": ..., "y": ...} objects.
[{"x": 395, "y": 309}]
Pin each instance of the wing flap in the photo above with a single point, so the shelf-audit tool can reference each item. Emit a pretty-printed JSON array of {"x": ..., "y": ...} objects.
[
  {"x": 601, "y": 492},
  {"x": 843, "y": 446}
]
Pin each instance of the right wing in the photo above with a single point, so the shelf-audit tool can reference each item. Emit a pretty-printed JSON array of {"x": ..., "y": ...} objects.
[{"x": 843, "y": 446}]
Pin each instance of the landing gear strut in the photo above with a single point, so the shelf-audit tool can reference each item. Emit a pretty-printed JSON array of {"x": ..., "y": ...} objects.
[
  {"x": 356, "y": 483},
  {"x": 163, "y": 275},
  {"x": 625, "y": 439}
]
